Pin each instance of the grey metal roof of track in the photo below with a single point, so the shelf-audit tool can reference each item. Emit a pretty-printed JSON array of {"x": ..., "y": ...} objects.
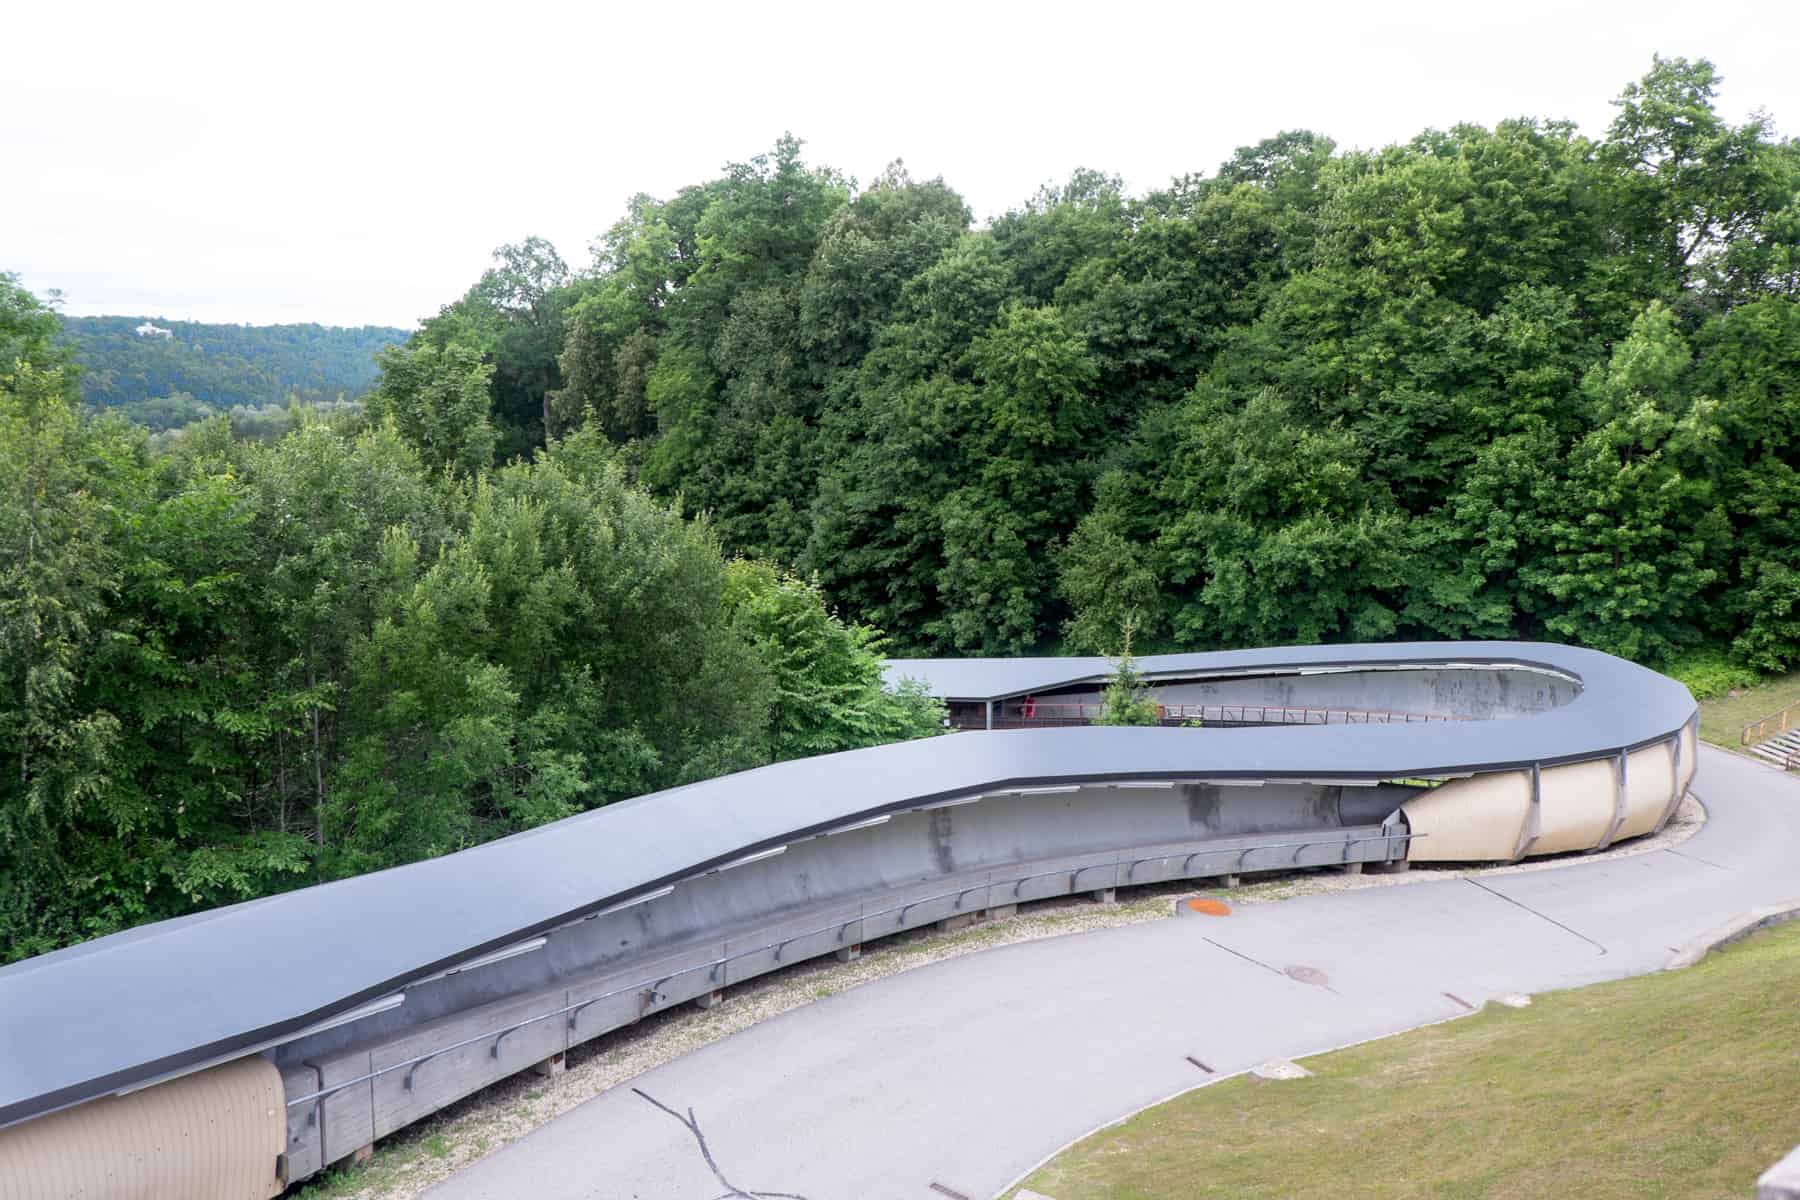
[{"x": 125, "y": 1009}]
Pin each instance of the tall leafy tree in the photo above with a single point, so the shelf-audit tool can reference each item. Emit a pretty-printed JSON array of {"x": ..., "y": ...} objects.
[
  {"x": 876, "y": 537},
  {"x": 1713, "y": 203},
  {"x": 59, "y": 567},
  {"x": 1022, "y": 443},
  {"x": 438, "y": 399},
  {"x": 823, "y": 674},
  {"x": 1636, "y": 532},
  {"x": 514, "y": 320},
  {"x": 1749, "y": 363}
]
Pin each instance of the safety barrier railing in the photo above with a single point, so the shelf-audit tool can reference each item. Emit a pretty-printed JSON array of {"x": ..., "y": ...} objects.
[
  {"x": 649, "y": 989},
  {"x": 1776, "y": 722},
  {"x": 1059, "y": 714}
]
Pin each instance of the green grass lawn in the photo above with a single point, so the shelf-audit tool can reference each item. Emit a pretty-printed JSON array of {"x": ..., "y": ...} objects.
[
  {"x": 1682, "y": 1084},
  {"x": 1722, "y": 719}
]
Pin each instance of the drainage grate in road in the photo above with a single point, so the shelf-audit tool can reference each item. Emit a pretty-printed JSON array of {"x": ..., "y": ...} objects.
[
  {"x": 1200, "y": 1064},
  {"x": 943, "y": 1190},
  {"x": 1458, "y": 999}
]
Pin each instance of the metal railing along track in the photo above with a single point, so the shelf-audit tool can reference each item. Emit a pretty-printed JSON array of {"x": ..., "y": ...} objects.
[
  {"x": 650, "y": 989},
  {"x": 1058, "y": 715}
]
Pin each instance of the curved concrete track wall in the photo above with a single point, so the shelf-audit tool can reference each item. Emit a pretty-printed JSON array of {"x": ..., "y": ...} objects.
[
  {"x": 969, "y": 1071},
  {"x": 379, "y": 999},
  {"x": 1468, "y": 694}
]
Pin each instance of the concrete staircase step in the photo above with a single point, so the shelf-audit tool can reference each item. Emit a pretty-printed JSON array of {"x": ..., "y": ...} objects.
[{"x": 1781, "y": 749}]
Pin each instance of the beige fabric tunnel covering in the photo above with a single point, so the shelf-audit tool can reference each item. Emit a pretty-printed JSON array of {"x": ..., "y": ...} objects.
[
  {"x": 1470, "y": 820},
  {"x": 1649, "y": 784},
  {"x": 213, "y": 1135},
  {"x": 1489, "y": 818},
  {"x": 1576, "y": 806}
]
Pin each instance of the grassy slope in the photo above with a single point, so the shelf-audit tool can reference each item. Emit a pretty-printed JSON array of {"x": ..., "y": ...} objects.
[
  {"x": 1684, "y": 1084},
  {"x": 1722, "y": 719}
]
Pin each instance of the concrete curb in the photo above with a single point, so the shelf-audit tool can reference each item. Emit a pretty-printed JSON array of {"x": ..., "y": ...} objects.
[
  {"x": 1736, "y": 929},
  {"x": 1693, "y": 951},
  {"x": 1781, "y": 1181},
  {"x": 1019, "y": 1182}
]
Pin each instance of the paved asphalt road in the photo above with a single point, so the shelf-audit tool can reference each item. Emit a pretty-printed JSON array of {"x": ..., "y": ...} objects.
[{"x": 967, "y": 1072}]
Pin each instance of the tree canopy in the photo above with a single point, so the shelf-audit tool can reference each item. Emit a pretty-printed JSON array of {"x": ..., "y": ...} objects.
[
  {"x": 1509, "y": 381},
  {"x": 610, "y": 528},
  {"x": 234, "y": 667}
]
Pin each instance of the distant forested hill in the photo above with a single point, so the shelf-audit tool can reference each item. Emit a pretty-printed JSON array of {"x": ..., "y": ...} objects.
[{"x": 192, "y": 370}]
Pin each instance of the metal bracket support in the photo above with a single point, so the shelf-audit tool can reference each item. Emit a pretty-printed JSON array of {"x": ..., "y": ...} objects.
[
  {"x": 1676, "y": 791},
  {"x": 1618, "y": 818},
  {"x": 494, "y": 1050},
  {"x": 407, "y": 1082},
  {"x": 575, "y": 1012},
  {"x": 1534, "y": 815}
]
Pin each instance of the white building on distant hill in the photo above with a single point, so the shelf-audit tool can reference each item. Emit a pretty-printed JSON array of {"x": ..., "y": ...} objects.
[{"x": 149, "y": 330}]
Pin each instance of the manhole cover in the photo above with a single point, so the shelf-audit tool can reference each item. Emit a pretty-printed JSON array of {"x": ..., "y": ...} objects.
[
  {"x": 1310, "y": 975},
  {"x": 1209, "y": 906}
]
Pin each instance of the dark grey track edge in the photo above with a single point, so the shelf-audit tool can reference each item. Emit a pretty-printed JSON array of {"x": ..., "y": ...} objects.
[{"x": 112, "y": 1013}]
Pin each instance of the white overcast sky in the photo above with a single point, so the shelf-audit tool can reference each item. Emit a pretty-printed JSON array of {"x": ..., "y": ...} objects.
[{"x": 356, "y": 163}]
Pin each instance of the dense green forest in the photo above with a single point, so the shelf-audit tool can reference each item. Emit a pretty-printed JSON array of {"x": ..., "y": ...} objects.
[
  {"x": 1492, "y": 382},
  {"x": 594, "y": 529},
  {"x": 233, "y": 667},
  {"x": 197, "y": 371}
]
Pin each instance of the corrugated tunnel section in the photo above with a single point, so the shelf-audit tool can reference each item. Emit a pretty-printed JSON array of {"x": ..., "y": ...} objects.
[
  {"x": 1539, "y": 810},
  {"x": 215, "y": 1135}
]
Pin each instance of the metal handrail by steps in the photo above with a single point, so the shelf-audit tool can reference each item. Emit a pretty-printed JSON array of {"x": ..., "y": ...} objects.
[
  {"x": 1783, "y": 720},
  {"x": 1782, "y": 750}
]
